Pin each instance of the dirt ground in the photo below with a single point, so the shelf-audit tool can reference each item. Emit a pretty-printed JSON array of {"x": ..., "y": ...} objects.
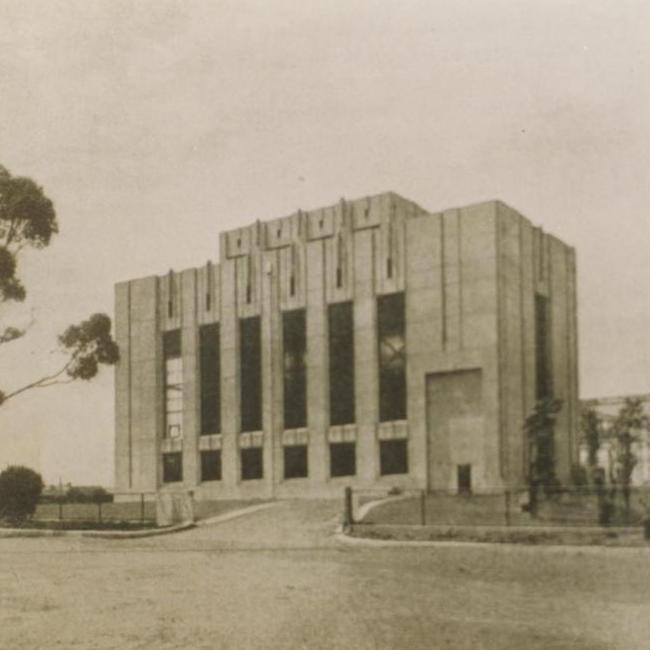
[{"x": 279, "y": 579}]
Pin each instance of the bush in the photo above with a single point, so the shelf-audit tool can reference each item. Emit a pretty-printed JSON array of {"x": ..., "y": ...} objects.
[
  {"x": 88, "y": 495},
  {"x": 20, "y": 489}
]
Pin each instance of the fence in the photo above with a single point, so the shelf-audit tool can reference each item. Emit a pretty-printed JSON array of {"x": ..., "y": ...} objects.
[
  {"x": 584, "y": 506},
  {"x": 138, "y": 509}
]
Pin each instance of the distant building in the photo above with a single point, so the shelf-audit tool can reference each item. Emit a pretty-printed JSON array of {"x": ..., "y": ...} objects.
[
  {"x": 370, "y": 343},
  {"x": 608, "y": 408}
]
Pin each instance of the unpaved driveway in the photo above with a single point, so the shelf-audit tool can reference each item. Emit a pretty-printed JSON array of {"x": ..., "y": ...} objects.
[{"x": 279, "y": 579}]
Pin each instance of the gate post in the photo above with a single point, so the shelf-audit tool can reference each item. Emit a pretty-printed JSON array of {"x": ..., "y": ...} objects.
[
  {"x": 348, "y": 519},
  {"x": 423, "y": 508}
]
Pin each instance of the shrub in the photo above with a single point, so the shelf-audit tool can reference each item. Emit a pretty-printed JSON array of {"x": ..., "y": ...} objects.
[{"x": 20, "y": 489}]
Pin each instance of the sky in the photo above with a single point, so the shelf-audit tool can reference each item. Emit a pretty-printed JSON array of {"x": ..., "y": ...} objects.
[{"x": 154, "y": 125}]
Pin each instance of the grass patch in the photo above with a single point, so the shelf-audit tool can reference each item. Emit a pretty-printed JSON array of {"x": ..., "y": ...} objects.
[{"x": 501, "y": 535}]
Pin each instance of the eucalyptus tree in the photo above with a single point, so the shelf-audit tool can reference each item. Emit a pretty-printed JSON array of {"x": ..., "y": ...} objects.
[{"x": 28, "y": 220}]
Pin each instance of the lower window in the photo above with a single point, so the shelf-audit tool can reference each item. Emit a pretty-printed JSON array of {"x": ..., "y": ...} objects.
[
  {"x": 295, "y": 461},
  {"x": 211, "y": 465},
  {"x": 464, "y": 479},
  {"x": 172, "y": 467},
  {"x": 251, "y": 464},
  {"x": 393, "y": 457},
  {"x": 343, "y": 459}
]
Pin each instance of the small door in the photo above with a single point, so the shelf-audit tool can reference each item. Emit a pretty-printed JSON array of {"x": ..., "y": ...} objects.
[{"x": 464, "y": 479}]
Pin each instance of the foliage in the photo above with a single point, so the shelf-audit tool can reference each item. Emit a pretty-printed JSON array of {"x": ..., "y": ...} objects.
[
  {"x": 20, "y": 489},
  {"x": 540, "y": 433},
  {"x": 89, "y": 343},
  {"x": 591, "y": 425},
  {"x": 28, "y": 219},
  {"x": 539, "y": 429},
  {"x": 630, "y": 422},
  {"x": 88, "y": 495},
  {"x": 579, "y": 476}
]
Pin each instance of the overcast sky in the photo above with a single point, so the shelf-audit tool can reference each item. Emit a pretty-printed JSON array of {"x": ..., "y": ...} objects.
[{"x": 153, "y": 125}]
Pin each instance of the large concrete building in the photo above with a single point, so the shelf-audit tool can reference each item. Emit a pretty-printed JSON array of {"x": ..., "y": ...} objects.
[{"x": 370, "y": 343}]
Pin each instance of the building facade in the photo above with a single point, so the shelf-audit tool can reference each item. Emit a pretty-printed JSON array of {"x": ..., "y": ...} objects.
[{"x": 370, "y": 343}]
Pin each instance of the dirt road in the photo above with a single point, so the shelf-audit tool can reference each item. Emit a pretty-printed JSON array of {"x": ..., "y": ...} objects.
[{"x": 279, "y": 579}]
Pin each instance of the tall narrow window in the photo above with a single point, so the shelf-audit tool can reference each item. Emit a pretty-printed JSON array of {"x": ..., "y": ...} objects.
[
  {"x": 250, "y": 348},
  {"x": 391, "y": 335},
  {"x": 294, "y": 342},
  {"x": 210, "y": 379},
  {"x": 341, "y": 366},
  {"x": 543, "y": 382},
  {"x": 173, "y": 362}
]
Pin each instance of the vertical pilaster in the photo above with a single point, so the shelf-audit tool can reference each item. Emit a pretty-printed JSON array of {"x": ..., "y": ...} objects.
[
  {"x": 366, "y": 380},
  {"x": 272, "y": 388},
  {"x": 229, "y": 370},
  {"x": 317, "y": 364},
  {"x": 189, "y": 349},
  {"x": 123, "y": 446},
  {"x": 146, "y": 384},
  {"x": 452, "y": 278},
  {"x": 561, "y": 356},
  {"x": 424, "y": 327}
]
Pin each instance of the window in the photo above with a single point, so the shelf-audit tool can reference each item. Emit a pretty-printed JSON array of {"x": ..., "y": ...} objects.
[
  {"x": 251, "y": 464},
  {"x": 173, "y": 368},
  {"x": 391, "y": 328},
  {"x": 294, "y": 344},
  {"x": 343, "y": 459},
  {"x": 543, "y": 376},
  {"x": 251, "y": 374},
  {"x": 295, "y": 461},
  {"x": 210, "y": 379},
  {"x": 341, "y": 363},
  {"x": 464, "y": 479},
  {"x": 172, "y": 467},
  {"x": 211, "y": 465},
  {"x": 393, "y": 457}
]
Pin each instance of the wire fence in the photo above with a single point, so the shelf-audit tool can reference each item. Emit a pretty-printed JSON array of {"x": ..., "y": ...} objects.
[
  {"x": 131, "y": 508},
  {"x": 583, "y": 506}
]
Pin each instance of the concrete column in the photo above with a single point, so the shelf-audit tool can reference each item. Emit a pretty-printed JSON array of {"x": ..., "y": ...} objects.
[
  {"x": 365, "y": 356},
  {"x": 191, "y": 380},
  {"x": 272, "y": 388},
  {"x": 146, "y": 384},
  {"x": 424, "y": 326},
  {"x": 561, "y": 357},
  {"x": 123, "y": 447},
  {"x": 317, "y": 365},
  {"x": 230, "y": 417}
]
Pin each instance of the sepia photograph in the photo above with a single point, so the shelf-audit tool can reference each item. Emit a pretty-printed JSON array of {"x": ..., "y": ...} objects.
[{"x": 324, "y": 324}]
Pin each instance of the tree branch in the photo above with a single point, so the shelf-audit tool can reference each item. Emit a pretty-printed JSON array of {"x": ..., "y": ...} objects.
[{"x": 43, "y": 382}]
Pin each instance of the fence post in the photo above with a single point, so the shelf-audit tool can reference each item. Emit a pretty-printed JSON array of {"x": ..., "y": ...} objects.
[
  {"x": 99, "y": 511},
  {"x": 507, "y": 496},
  {"x": 60, "y": 510},
  {"x": 423, "y": 508},
  {"x": 142, "y": 507},
  {"x": 348, "y": 519}
]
